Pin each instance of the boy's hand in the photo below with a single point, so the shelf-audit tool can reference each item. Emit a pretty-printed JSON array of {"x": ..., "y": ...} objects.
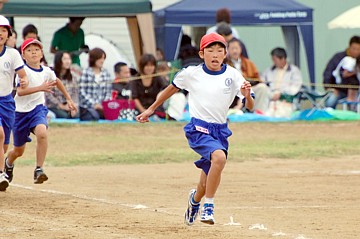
[
  {"x": 144, "y": 116},
  {"x": 245, "y": 89},
  {"x": 71, "y": 106},
  {"x": 47, "y": 86},
  {"x": 24, "y": 82}
]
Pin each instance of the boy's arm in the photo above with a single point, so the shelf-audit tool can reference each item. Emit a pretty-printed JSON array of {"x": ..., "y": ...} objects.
[
  {"x": 164, "y": 95},
  {"x": 47, "y": 86},
  {"x": 63, "y": 90},
  {"x": 23, "y": 80}
]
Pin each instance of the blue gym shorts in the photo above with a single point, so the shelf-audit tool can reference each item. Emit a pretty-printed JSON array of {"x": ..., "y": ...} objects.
[
  {"x": 7, "y": 115},
  {"x": 204, "y": 138},
  {"x": 25, "y": 122}
]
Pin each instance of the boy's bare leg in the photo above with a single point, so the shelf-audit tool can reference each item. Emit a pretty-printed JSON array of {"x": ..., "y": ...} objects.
[
  {"x": 2, "y": 149},
  {"x": 42, "y": 144},
  {"x": 201, "y": 187},
  {"x": 218, "y": 161}
]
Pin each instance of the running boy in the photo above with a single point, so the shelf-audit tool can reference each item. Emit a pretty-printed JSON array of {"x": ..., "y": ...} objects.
[
  {"x": 30, "y": 116},
  {"x": 212, "y": 87},
  {"x": 10, "y": 63}
]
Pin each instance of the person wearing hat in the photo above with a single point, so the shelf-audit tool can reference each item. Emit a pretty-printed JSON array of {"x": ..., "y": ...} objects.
[
  {"x": 31, "y": 112},
  {"x": 212, "y": 87},
  {"x": 10, "y": 63}
]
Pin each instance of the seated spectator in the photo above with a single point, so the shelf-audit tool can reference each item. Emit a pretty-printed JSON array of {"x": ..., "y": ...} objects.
[
  {"x": 347, "y": 78},
  {"x": 248, "y": 69},
  {"x": 70, "y": 38},
  {"x": 160, "y": 56},
  {"x": 285, "y": 81},
  {"x": 94, "y": 87},
  {"x": 223, "y": 15},
  {"x": 146, "y": 89},
  {"x": 11, "y": 41},
  {"x": 121, "y": 85},
  {"x": 224, "y": 30},
  {"x": 188, "y": 54},
  {"x": 56, "y": 101}
]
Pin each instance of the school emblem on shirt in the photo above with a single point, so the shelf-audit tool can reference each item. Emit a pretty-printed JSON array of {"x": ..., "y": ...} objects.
[
  {"x": 7, "y": 65},
  {"x": 228, "y": 82}
]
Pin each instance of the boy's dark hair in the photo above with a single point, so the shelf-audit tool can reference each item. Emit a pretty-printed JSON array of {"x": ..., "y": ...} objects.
[
  {"x": 58, "y": 66},
  {"x": 354, "y": 39},
  {"x": 94, "y": 55},
  {"x": 223, "y": 15},
  {"x": 73, "y": 19},
  {"x": 144, "y": 60},
  {"x": 224, "y": 29},
  {"x": 279, "y": 53},
  {"x": 30, "y": 28},
  {"x": 117, "y": 66}
]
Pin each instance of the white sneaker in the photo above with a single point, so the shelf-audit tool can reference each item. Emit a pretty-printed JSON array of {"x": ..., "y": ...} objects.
[
  {"x": 4, "y": 183},
  {"x": 207, "y": 214}
]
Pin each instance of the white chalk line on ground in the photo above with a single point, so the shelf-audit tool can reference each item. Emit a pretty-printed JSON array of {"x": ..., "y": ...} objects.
[{"x": 257, "y": 226}]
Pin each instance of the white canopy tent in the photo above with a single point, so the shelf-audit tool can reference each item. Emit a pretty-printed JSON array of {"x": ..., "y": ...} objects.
[{"x": 348, "y": 19}]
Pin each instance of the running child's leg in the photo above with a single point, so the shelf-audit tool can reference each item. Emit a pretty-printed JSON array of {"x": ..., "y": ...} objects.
[
  {"x": 218, "y": 161},
  {"x": 13, "y": 154},
  {"x": 42, "y": 144},
  {"x": 40, "y": 132},
  {"x": 2, "y": 151}
]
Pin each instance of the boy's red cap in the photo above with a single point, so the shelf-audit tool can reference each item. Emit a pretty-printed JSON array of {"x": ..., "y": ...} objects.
[
  {"x": 211, "y": 38},
  {"x": 30, "y": 41}
]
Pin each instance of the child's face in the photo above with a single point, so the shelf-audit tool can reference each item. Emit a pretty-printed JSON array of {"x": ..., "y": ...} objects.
[
  {"x": 213, "y": 56},
  {"x": 100, "y": 62},
  {"x": 66, "y": 61},
  {"x": 4, "y": 35},
  {"x": 33, "y": 54},
  {"x": 234, "y": 50}
]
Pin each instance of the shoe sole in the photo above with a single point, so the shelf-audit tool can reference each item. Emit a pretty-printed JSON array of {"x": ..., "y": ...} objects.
[
  {"x": 42, "y": 178},
  {"x": 3, "y": 186},
  {"x": 210, "y": 222}
]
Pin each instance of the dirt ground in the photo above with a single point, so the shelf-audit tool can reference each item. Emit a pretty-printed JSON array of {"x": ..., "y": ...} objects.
[{"x": 272, "y": 198}]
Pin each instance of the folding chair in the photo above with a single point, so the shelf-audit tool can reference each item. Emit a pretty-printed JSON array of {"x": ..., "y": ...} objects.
[
  {"x": 345, "y": 104},
  {"x": 316, "y": 99}
]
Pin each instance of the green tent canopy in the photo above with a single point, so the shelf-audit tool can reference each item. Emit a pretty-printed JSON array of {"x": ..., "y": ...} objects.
[
  {"x": 68, "y": 8},
  {"x": 138, "y": 14}
]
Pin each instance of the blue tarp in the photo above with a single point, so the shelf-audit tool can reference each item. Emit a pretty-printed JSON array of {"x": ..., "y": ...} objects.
[{"x": 295, "y": 19}]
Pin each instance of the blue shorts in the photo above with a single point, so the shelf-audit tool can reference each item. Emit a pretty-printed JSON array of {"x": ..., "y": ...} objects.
[
  {"x": 25, "y": 122},
  {"x": 7, "y": 115},
  {"x": 204, "y": 138}
]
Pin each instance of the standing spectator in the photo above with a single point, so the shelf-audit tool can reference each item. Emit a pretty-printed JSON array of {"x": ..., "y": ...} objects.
[
  {"x": 146, "y": 89},
  {"x": 94, "y": 87},
  {"x": 223, "y": 15},
  {"x": 247, "y": 68},
  {"x": 10, "y": 63},
  {"x": 284, "y": 80},
  {"x": 352, "y": 51},
  {"x": 121, "y": 83},
  {"x": 224, "y": 30},
  {"x": 56, "y": 102},
  {"x": 70, "y": 38}
]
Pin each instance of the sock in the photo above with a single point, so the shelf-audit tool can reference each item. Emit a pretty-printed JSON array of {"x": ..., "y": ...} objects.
[
  {"x": 193, "y": 201},
  {"x": 209, "y": 200},
  {"x": 7, "y": 163}
]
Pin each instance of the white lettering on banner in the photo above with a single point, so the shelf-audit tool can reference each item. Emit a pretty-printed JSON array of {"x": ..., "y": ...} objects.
[
  {"x": 282, "y": 15},
  {"x": 202, "y": 129}
]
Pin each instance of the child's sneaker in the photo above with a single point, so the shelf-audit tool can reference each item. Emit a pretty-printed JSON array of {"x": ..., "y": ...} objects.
[
  {"x": 39, "y": 176},
  {"x": 192, "y": 210},
  {"x": 4, "y": 183},
  {"x": 9, "y": 171},
  {"x": 207, "y": 214}
]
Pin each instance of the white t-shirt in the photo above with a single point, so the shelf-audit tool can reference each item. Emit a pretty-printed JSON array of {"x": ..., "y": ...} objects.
[
  {"x": 10, "y": 62},
  {"x": 36, "y": 78},
  {"x": 210, "y": 93},
  {"x": 347, "y": 63}
]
